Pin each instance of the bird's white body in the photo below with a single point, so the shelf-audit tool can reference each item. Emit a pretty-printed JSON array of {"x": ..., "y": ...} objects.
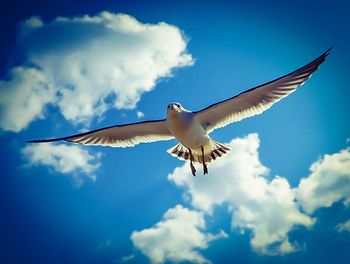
[
  {"x": 194, "y": 141},
  {"x": 186, "y": 128}
]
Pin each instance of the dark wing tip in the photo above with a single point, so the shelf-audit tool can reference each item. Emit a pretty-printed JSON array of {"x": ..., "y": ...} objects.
[
  {"x": 46, "y": 140},
  {"x": 322, "y": 57},
  {"x": 315, "y": 64},
  {"x": 33, "y": 141},
  {"x": 326, "y": 53}
]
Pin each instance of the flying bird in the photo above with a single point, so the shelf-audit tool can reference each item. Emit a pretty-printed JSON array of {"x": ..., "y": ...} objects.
[{"x": 192, "y": 129}]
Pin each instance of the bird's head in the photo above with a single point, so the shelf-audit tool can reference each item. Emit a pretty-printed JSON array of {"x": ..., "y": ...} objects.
[{"x": 175, "y": 108}]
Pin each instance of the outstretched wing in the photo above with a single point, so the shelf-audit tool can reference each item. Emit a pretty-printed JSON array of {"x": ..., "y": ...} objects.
[
  {"x": 256, "y": 100},
  {"x": 120, "y": 136}
]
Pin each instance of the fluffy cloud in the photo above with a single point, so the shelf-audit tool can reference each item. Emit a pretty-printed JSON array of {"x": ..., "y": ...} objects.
[
  {"x": 71, "y": 160},
  {"x": 267, "y": 208},
  {"x": 86, "y": 65},
  {"x": 343, "y": 227},
  {"x": 270, "y": 209},
  {"x": 23, "y": 97},
  {"x": 328, "y": 182},
  {"x": 177, "y": 237}
]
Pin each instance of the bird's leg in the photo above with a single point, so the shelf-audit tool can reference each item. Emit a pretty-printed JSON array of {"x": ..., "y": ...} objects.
[
  {"x": 205, "y": 168},
  {"x": 193, "y": 169}
]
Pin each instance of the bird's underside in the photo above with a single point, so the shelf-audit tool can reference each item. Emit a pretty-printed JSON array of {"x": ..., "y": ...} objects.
[
  {"x": 204, "y": 154},
  {"x": 193, "y": 134}
]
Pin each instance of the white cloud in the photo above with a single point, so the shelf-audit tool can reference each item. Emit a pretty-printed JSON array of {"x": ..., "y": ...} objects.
[
  {"x": 270, "y": 209},
  {"x": 343, "y": 227},
  {"x": 267, "y": 208},
  {"x": 328, "y": 182},
  {"x": 23, "y": 97},
  {"x": 87, "y": 65},
  {"x": 140, "y": 114},
  {"x": 177, "y": 237},
  {"x": 72, "y": 160}
]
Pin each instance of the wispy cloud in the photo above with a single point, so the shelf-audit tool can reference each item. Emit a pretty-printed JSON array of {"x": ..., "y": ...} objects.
[
  {"x": 73, "y": 161},
  {"x": 128, "y": 258},
  {"x": 177, "y": 237},
  {"x": 87, "y": 65},
  {"x": 343, "y": 227},
  {"x": 104, "y": 244}
]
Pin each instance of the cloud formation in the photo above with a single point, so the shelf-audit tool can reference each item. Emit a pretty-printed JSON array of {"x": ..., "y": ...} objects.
[
  {"x": 177, "y": 237},
  {"x": 328, "y": 182},
  {"x": 267, "y": 208},
  {"x": 343, "y": 227},
  {"x": 23, "y": 97},
  {"x": 73, "y": 161},
  {"x": 87, "y": 65},
  {"x": 270, "y": 209}
]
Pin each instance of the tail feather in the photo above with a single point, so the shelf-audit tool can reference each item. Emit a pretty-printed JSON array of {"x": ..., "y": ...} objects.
[{"x": 212, "y": 151}]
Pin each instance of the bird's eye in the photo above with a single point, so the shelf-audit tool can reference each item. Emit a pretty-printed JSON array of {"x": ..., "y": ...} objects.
[{"x": 177, "y": 105}]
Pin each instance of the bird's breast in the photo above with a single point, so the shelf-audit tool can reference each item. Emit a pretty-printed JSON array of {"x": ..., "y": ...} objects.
[{"x": 189, "y": 133}]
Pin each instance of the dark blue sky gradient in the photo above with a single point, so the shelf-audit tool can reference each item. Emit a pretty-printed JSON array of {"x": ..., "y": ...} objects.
[{"x": 44, "y": 218}]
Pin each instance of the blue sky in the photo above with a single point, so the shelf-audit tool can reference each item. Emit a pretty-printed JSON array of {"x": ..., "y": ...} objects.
[{"x": 281, "y": 196}]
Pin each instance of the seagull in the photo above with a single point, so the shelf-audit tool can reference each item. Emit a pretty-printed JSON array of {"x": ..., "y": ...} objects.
[{"x": 192, "y": 129}]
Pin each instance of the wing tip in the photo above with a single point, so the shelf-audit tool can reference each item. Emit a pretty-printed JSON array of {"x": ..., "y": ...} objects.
[
  {"x": 324, "y": 55},
  {"x": 328, "y": 51},
  {"x": 45, "y": 140},
  {"x": 35, "y": 141},
  {"x": 31, "y": 141},
  {"x": 312, "y": 66}
]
